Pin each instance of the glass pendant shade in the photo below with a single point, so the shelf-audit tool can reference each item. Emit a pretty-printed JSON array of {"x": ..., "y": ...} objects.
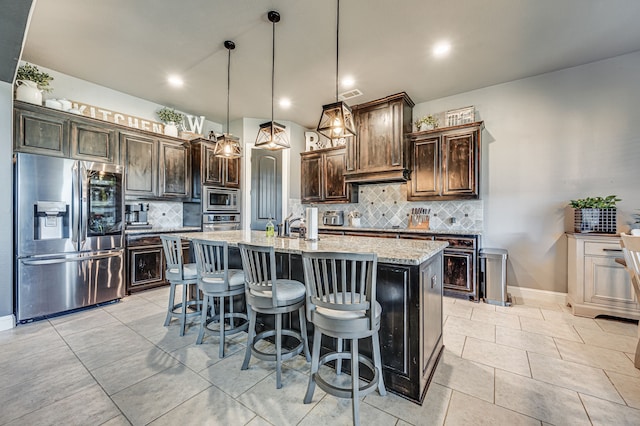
[
  {"x": 228, "y": 146},
  {"x": 336, "y": 121},
  {"x": 272, "y": 136}
]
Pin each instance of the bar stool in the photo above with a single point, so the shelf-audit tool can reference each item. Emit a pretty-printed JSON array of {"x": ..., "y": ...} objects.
[
  {"x": 341, "y": 303},
  {"x": 216, "y": 280},
  {"x": 179, "y": 273},
  {"x": 268, "y": 295}
]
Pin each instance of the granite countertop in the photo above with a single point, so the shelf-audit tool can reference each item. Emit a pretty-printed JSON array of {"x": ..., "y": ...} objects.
[
  {"x": 161, "y": 230},
  {"x": 403, "y": 230},
  {"x": 403, "y": 252}
]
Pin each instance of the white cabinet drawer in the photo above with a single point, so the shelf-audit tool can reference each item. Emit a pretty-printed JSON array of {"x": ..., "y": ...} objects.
[{"x": 602, "y": 248}]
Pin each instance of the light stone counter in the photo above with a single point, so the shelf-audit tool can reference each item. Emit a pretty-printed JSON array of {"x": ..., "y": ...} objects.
[{"x": 402, "y": 252}]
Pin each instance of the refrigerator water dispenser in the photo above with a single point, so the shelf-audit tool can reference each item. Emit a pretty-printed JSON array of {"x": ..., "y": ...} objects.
[{"x": 52, "y": 220}]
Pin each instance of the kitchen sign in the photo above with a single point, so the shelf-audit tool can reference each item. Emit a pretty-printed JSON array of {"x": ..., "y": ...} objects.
[{"x": 191, "y": 123}]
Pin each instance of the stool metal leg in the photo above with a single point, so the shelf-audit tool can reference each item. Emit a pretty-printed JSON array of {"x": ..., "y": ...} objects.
[
  {"x": 315, "y": 360},
  {"x": 172, "y": 296},
  {"x": 303, "y": 332},
  {"x": 203, "y": 320},
  {"x": 378, "y": 363},
  {"x": 221, "y": 321},
  {"x": 183, "y": 313},
  {"x": 355, "y": 382},
  {"x": 250, "y": 337},
  {"x": 339, "y": 360},
  {"x": 278, "y": 351}
]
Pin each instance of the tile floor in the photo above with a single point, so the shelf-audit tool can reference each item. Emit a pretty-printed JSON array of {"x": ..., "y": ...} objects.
[{"x": 117, "y": 365}]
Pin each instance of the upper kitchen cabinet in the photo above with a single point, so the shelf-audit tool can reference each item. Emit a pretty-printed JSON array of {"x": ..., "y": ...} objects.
[
  {"x": 322, "y": 177},
  {"x": 40, "y": 131},
  {"x": 445, "y": 163},
  {"x": 210, "y": 170},
  {"x": 93, "y": 143},
  {"x": 175, "y": 173},
  {"x": 140, "y": 161},
  {"x": 379, "y": 151}
]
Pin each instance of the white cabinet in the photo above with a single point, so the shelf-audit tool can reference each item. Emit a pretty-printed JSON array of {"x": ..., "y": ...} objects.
[{"x": 597, "y": 285}]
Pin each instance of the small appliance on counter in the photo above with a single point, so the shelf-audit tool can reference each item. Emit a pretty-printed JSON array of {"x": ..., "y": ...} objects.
[
  {"x": 333, "y": 218},
  {"x": 137, "y": 215}
]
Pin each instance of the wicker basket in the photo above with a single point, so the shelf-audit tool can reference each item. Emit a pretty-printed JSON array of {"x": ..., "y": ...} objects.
[{"x": 603, "y": 221}]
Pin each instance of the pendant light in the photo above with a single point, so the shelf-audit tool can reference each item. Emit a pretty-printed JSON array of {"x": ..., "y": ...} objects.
[
  {"x": 227, "y": 145},
  {"x": 272, "y": 135},
  {"x": 336, "y": 120}
]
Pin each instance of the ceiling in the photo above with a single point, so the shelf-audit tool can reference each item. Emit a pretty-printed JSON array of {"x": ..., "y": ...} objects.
[{"x": 132, "y": 46}]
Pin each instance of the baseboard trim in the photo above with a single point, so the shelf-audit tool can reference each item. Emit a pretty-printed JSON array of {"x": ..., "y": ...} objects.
[
  {"x": 525, "y": 293},
  {"x": 7, "y": 322}
]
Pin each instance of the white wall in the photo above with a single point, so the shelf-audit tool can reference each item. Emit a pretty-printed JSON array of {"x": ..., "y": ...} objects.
[
  {"x": 549, "y": 139},
  {"x": 6, "y": 206}
]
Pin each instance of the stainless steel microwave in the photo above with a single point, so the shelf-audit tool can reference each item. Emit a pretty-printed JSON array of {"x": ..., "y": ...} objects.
[{"x": 220, "y": 199}]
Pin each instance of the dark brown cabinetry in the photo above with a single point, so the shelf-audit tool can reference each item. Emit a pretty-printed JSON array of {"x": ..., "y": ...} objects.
[
  {"x": 211, "y": 170},
  {"x": 322, "y": 174},
  {"x": 174, "y": 170},
  {"x": 379, "y": 151},
  {"x": 445, "y": 163},
  {"x": 94, "y": 143},
  {"x": 38, "y": 131}
]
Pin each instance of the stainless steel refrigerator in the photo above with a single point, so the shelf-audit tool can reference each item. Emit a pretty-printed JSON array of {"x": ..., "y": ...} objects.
[{"x": 69, "y": 241}]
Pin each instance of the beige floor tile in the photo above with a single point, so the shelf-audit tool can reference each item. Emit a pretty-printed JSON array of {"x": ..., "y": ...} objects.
[
  {"x": 281, "y": 406},
  {"x": 465, "y": 376},
  {"x": 540, "y": 400},
  {"x": 228, "y": 376},
  {"x": 549, "y": 328},
  {"x": 606, "y": 413},
  {"x": 521, "y": 311},
  {"x": 467, "y": 410},
  {"x": 607, "y": 340},
  {"x": 151, "y": 398},
  {"x": 42, "y": 341},
  {"x": 596, "y": 357},
  {"x": 431, "y": 412},
  {"x": 470, "y": 328},
  {"x": 148, "y": 326},
  {"x": 531, "y": 342},
  {"x": 117, "y": 421},
  {"x": 626, "y": 328},
  {"x": 476, "y": 305},
  {"x": 569, "y": 319},
  {"x": 338, "y": 412},
  {"x": 169, "y": 338},
  {"x": 403, "y": 423},
  {"x": 454, "y": 343},
  {"x": 628, "y": 387},
  {"x": 86, "y": 320},
  {"x": 33, "y": 330},
  {"x": 199, "y": 357},
  {"x": 496, "y": 318},
  {"x": 89, "y": 406},
  {"x": 96, "y": 356},
  {"x": 577, "y": 377},
  {"x": 543, "y": 304},
  {"x": 130, "y": 370},
  {"x": 448, "y": 299},
  {"x": 210, "y": 407},
  {"x": 497, "y": 356},
  {"x": 456, "y": 310},
  {"x": 259, "y": 421}
]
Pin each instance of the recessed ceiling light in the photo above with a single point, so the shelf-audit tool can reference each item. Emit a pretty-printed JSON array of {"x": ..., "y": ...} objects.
[
  {"x": 175, "y": 81},
  {"x": 285, "y": 102},
  {"x": 348, "y": 82},
  {"x": 441, "y": 49}
]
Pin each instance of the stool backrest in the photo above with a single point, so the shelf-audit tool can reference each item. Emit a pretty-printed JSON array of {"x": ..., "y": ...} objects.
[
  {"x": 172, "y": 246},
  {"x": 212, "y": 259},
  {"x": 631, "y": 248},
  {"x": 340, "y": 281},
  {"x": 259, "y": 266}
]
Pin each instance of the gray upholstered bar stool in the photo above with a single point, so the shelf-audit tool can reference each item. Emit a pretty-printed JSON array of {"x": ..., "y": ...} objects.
[
  {"x": 179, "y": 273},
  {"x": 217, "y": 281},
  {"x": 341, "y": 303},
  {"x": 267, "y": 294}
]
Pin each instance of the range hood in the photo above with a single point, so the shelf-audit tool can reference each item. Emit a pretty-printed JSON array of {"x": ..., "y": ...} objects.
[{"x": 380, "y": 176}]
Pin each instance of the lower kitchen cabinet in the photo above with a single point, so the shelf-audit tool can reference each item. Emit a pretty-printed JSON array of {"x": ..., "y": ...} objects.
[{"x": 597, "y": 284}]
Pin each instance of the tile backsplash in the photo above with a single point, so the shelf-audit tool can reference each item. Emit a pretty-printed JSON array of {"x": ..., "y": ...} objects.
[
  {"x": 385, "y": 205},
  {"x": 165, "y": 214}
]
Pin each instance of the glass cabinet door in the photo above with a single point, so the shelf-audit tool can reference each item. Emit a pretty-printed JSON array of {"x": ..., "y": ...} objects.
[{"x": 104, "y": 203}]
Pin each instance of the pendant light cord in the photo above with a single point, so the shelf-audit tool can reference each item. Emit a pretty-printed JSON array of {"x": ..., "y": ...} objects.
[
  {"x": 228, "y": 85},
  {"x": 337, "y": 44},
  {"x": 273, "y": 65}
]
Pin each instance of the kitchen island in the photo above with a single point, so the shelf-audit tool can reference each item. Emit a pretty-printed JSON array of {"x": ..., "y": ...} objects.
[{"x": 409, "y": 288}]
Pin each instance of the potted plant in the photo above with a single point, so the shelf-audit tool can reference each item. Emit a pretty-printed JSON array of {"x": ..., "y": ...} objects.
[
  {"x": 31, "y": 83},
  {"x": 635, "y": 226},
  {"x": 428, "y": 122},
  {"x": 172, "y": 119},
  {"x": 595, "y": 214}
]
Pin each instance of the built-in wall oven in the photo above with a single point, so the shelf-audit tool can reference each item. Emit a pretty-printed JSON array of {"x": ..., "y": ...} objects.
[
  {"x": 220, "y": 221},
  {"x": 220, "y": 199}
]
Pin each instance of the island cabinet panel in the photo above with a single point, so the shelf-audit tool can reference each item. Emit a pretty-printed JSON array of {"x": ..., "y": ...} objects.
[
  {"x": 322, "y": 177},
  {"x": 40, "y": 132},
  {"x": 379, "y": 151},
  {"x": 431, "y": 316},
  {"x": 94, "y": 143},
  {"x": 175, "y": 173},
  {"x": 140, "y": 160},
  {"x": 445, "y": 163}
]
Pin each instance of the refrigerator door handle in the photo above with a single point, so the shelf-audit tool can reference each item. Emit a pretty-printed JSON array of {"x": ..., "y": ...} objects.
[
  {"x": 52, "y": 260},
  {"x": 84, "y": 193},
  {"x": 104, "y": 255},
  {"x": 75, "y": 206}
]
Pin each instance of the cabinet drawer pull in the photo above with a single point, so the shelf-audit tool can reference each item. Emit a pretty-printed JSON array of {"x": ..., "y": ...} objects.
[{"x": 616, "y": 250}]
